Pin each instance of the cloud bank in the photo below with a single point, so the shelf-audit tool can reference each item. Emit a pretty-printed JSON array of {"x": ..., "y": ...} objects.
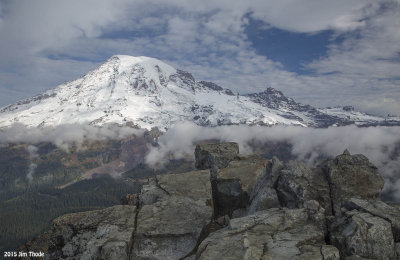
[
  {"x": 380, "y": 144},
  {"x": 63, "y": 136}
]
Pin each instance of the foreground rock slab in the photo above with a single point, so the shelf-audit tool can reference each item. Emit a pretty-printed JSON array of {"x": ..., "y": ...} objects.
[
  {"x": 169, "y": 224},
  {"x": 272, "y": 234},
  {"x": 361, "y": 234},
  {"x": 379, "y": 209},
  {"x": 99, "y": 234}
]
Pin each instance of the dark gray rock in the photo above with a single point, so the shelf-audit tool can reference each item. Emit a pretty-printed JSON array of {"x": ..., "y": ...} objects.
[
  {"x": 298, "y": 183},
  {"x": 215, "y": 155},
  {"x": 363, "y": 235},
  {"x": 265, "y": 198},
  {"x": 130, "y": 199},
  {"x": 236, "y": 183},
  {"x": 352, "y": 176},
  {"x": 273, "y": 169},
  {"x": 264, "y": 195},
  {"x": 397, "y": 248}
]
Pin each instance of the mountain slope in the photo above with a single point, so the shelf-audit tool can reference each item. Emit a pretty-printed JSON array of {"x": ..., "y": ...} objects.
[{"x": 145, "y": 92}]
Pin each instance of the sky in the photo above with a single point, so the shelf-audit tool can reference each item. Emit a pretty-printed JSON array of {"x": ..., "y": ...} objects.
[{"x": 319, "y": 52}]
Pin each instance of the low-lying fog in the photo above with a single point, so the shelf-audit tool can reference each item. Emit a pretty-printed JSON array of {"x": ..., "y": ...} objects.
[{"x": 380, "y": 144}]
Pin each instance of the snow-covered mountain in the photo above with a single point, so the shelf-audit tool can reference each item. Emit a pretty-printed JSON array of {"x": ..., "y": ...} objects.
[{"x": 145, "y": 92}]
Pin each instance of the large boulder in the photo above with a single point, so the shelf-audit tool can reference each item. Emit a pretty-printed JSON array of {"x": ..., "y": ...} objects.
[
  {"x": 298, "y": 183},
  {"x": 379, "y": 209},
  {"x": 209, "y": 156},
  {"x": 353, "y": 176},
  {"x": 359, "y": 234},
  {"x": 234, "y": 184},
  {"x": 272, "y": 234},
  {"x": 175, "y": 210},
  {"x": 99, "y": 234}
]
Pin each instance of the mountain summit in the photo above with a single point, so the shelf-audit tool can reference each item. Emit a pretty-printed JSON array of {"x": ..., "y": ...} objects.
[{"x": 146, "y": 92}]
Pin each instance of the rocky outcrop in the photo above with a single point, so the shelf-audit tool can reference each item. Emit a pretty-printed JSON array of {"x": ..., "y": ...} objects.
[
  {"x": 270, "y": 234},
  {"x": 215, "y": 155},
  {"x": 175, "y": 210},
  {"x": 298, "y": 183},
  {"x": 99, "y": 234},
  {"x": 240, "y": 207},
  {"x": 379, "y": 209},
  {"x": 363, "y": 235},
  {"x": 236, "y": 183},
  {"x": 352, "y": 176}
]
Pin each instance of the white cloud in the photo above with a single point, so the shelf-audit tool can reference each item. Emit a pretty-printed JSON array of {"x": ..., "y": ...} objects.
[{"x": 64, "y": 136}]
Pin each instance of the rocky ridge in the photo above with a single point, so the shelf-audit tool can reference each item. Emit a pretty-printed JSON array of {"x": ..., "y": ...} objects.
[{"x": 240, "y": 207}]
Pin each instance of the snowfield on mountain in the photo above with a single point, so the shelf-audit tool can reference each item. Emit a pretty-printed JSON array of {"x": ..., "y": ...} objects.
[{"x": 145, "y": 92}]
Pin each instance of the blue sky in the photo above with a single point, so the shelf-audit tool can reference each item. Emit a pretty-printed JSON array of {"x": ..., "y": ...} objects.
[{"x": 320, "y": 52}]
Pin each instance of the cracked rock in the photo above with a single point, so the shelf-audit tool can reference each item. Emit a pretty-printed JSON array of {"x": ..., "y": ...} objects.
[
  {"x": 99, "y": 234},
  {"x": 271, "y": 234},
  {"x": 297, "y": 183},
  {"x": 379, "y": 209},
  {"x": 353, "y": 176},
  {"x": 170, "y": 226},
  {"x": 363, "y": 235}
]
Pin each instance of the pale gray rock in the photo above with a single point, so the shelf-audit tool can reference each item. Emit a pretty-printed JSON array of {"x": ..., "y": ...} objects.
[
  {"x": 170, "y": 226},
  {"x": 270, "y": 234},
  {"x": 379, "y": 209},
  {"x": 99, "y": 234},
  {"x": 215, "y": 155},
  {"x": 151, "y": 193},
  {"x": 352, "y": 176},
  {"x": 364, "y": 235},
  {"x": 194, "y": 185}
]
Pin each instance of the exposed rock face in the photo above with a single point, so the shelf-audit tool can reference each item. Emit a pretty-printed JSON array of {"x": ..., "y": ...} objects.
[
  {"x": 236, "y": 182},
  {"x": 264, "y": 195},
  {"x": 170, "y": 223},
  {"x": 271, "y": 234},
  {"x": 363, "y": 235},
  {"x": 353, "y": 176},
  {"x": 215, "y": 155},
  {"x": 379, "y": 209},
  {"x": 231, "y": 210},
  {"x": 170, "y": 228},
  {"x": 298, "y": 183},
  {"x": 99, "y": 234}
]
